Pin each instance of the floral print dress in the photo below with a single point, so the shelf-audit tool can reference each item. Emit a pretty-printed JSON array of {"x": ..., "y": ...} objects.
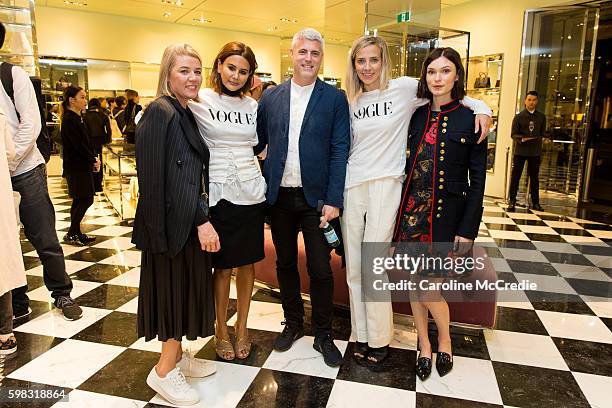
[{"x": 415, "y": 215}]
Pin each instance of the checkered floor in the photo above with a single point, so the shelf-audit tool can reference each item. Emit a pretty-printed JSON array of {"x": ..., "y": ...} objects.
[{"x": 553, "y": 348}]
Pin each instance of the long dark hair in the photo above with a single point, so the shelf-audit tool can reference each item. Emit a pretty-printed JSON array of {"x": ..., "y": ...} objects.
[
  {"x": 458, "y": 91},
  {"x": 70, "y": 92},
  {"x": 229, "y": 49}
]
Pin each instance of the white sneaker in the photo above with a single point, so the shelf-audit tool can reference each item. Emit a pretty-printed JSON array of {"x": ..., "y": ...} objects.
[
  {"x": 174, "y": 388},
  {"x": 195, "y": 367}
]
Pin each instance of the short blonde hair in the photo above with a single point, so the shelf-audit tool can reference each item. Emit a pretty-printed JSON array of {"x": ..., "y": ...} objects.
[
  {"x": 168, "y": 59},
  {"x": 354, "y": 86}
]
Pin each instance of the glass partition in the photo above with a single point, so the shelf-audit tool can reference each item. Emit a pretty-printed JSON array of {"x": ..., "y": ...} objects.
[{"x": 557, "y": 62}]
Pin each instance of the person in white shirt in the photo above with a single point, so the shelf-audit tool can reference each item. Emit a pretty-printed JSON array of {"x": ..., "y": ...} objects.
[
  {"x": 29, "y": 178},
  {"x": 381, "y": 109},
  {"x": 226, "y": 118}
]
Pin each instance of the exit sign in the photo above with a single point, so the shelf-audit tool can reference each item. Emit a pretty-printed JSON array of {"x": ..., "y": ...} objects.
[{"x": 403, "y": 17}]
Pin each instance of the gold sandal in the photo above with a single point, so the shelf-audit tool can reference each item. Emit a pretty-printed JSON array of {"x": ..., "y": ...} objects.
[
  {"x": 243, "y": 345},
  {"x": 224, "y": 347}
]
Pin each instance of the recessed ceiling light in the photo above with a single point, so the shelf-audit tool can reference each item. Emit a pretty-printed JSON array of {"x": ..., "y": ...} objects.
[
  {"x": 172, "y": 3},
  {"x": 272, "y": 28},
  {"x": 201, "y": 20},
  {"x": 167, "y": 14},
  {"x": 75, "y": 3},
  {"x": 288, "y": 20}
]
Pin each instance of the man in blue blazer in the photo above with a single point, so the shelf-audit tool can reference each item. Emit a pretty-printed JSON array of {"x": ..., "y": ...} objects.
[{"x": 305, "y": 124}]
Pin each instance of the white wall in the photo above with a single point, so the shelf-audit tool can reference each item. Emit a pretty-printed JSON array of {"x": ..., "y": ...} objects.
[
  {"x": 496, "y": 27},
  {"x": 82, "y": 34},
  {"x": 335, "y": 62}
]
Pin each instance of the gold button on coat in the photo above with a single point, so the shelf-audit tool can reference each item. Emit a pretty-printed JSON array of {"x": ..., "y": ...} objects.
[
  {"x": 441, "y": 172},
  {"x": 442, "y": 151},
  {"x": 442, "y": 144},
  {"x": 441, "y": 180},
  {"x": 440, "y": 201},
  {"x": 439, "y": 208},
  {"x": 441, "y": 187},
  {"x": 438, "y": 215},
  {"x": 463, "y": 140},
  {"x": 443, "y": 130},
  {"x": 444, "y": 124},
  {"x": 445, "y": 118},
  {"x": 441, "y": 158}
]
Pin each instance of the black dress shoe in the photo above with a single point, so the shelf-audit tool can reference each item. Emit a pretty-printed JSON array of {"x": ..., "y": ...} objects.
[
  {"x": 511, "y": 206},
  {"x": 324, "y": 344},
  {"x": 86, "y": 238},
  {"x": 288, "y": 336},
  {"x": 537, "y": 207},
  {"x": 444, "y": 363},
  {"x": 423, "y": 367},
  {"x": 377, "y": 355}
]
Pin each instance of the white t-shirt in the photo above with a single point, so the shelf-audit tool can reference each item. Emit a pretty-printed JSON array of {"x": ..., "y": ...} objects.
[
  {"x": 379, "y": 124},
  {"x": 229, "y": 128}
]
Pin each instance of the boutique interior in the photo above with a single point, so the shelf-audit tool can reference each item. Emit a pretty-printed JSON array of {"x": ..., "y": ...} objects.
[{"x": 552, "y": 346}]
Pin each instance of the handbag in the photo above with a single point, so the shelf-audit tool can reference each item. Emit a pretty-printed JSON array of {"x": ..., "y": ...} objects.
[{"x": 483, "y": 81}]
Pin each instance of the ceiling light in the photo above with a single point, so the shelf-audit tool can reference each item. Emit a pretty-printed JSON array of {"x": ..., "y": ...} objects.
[
  {"x": 75, "y": 3},
  {"x": 272, "y": 28},
  {"x": 288, "y": 20},
  {"x": 201, "y": 20},
  {"x": 167, "y": 14},
  {"x": 172, "y": 3}
]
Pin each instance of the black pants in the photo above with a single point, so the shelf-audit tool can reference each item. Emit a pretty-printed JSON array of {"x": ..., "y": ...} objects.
[
  {"x": 287, "y": 215},
  {"x": 533, "y": 169},
  {"x": 77, "y": 212},
  {"x": 38, "y": 218}
]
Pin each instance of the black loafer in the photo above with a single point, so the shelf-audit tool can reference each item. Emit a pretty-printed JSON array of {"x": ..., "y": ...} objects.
[
  {"x": 511, "y": 207},
  {"x": 288, "y": 336},
  {"x": 444, "y": 363},
  {"x": 324, "y": 344},
  {"x": 537, "y": 207},
  {"x": 423, "y": 367}
]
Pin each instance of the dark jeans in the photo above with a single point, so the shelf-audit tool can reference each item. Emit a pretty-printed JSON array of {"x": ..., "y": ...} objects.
[
  {"x": 533, "y": 169},
  {"x": 77, "y": 212},
  {"x": 287, "y": 215},
  {"x": 6, "y": 314},
  {"x": 38, "y": 218}
]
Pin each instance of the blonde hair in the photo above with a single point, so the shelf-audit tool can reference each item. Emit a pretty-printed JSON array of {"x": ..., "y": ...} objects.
[
  {"x": 168, "y": 59},
  {"x": 354, "y": 86}
]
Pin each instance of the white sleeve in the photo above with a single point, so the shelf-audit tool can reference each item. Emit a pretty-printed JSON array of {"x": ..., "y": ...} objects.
[
  {"x": 478, "y": 106},
  {"x": 29, "y": 116},
  {"x": 410, "y": 86}
]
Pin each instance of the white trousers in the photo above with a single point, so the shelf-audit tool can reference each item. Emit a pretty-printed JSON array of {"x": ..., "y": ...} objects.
[{"x": 369, "y": 215}]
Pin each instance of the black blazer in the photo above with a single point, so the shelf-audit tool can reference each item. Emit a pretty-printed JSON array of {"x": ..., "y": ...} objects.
[
  {"x": 98, "y": 127},
  {"x": 77, "y": 153},
  {"x": 460, "y": 171},
  {"x": 172, "y": 164},
  {"x": 324, "y": 144}
]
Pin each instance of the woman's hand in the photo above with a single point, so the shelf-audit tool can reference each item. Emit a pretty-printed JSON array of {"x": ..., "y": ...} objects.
[
  {"x": 462, "y": 245},
  {"x": 482, "y": 124},
  {"x": 209, "y": 240}
]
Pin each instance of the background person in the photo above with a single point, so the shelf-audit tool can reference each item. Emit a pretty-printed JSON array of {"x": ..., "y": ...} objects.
[
  {"x": 29, "y": 179},
  {"x": 227, "y": 119},
  {"x": 443, "y": 193},
  {"x": 381, "y": 109},
  {"x": 528, "y": 128},
  {"x": 305, "y": 124},
  {"x": 99, "y": 132},
  {"x": 172, "y": 228},
  {"x": 131, "y": 110},
  {"x": 79, "y": 162}
]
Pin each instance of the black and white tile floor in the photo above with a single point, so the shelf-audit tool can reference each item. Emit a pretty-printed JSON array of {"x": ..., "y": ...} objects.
[{"x": 553, "y": 348}]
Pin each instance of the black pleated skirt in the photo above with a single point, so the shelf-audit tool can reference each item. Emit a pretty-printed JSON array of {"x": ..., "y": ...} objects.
[
  {"x": 241, "y": 233},
  {"x": 176, "y": 294}
]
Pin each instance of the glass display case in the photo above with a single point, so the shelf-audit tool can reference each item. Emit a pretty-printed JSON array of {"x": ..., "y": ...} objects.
[
  {"x": 483, "y": 81},
  {"x": 19, "y": 46},
  {"x": 120, "y": 182}
]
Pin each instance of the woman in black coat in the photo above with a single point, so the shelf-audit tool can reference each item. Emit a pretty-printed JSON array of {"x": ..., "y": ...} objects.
[
  {"x": 79, "y": 162},
  {"x": 443, "y": 192},
  {"x": 172, "y": 229},
  {"x": 98, "y": 128}
]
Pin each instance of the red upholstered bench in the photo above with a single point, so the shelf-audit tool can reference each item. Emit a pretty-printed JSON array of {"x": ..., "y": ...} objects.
[{"x": 474, "y": 313}]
